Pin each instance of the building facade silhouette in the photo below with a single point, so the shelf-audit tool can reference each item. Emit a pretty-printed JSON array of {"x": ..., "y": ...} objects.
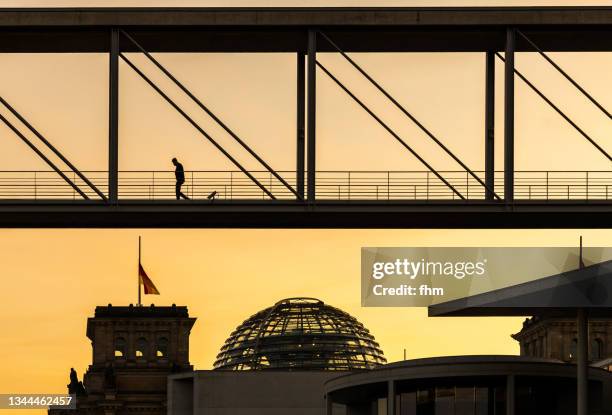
[
  {"x": 556, "y": 338},
  {"x": 135, "y": 349},
  {"x": 141, "y": 366}
]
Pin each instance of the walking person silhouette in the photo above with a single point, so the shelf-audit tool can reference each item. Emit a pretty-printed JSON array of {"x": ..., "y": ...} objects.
[{"x": 179, "y": 173}]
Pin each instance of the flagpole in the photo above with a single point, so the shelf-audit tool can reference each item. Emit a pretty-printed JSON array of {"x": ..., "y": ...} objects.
[
  {"x": 139, "y": 243},
  {"x": 582, "y": 356}
]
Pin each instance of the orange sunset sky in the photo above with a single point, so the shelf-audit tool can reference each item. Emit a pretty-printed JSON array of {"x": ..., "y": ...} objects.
[{"x": 53, "y": 279}]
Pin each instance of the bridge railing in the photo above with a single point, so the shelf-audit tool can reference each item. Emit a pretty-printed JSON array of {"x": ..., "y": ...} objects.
[
  {"x": 331, "y": 185},
  {"x": 48, "y": 185}
]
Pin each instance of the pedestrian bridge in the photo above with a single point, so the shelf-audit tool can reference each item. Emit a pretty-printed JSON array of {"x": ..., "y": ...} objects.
[
  {"x": 499, "y": 196},
  {"x": 379, "y": 199}
]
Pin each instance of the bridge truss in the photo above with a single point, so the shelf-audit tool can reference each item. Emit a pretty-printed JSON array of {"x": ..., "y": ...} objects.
[{"x": 65, "y": 196}]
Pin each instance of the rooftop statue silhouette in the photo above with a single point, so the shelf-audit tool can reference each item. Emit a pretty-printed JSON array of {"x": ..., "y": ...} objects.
[{"x": 75, "y": 387}]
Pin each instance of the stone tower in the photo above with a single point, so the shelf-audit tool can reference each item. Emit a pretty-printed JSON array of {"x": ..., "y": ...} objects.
[
  {"x": 135, "y": 348},
  {"x": 555, "y": 338}
]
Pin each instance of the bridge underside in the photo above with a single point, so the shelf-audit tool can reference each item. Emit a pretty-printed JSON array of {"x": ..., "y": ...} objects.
[
  {"x": 467, "y": 29},
  {"x": 291, "y": 40},
  {"x": 289, "y": 214}
]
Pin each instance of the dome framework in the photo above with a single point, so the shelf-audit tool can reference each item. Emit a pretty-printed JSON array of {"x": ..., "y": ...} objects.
[{"x": 300, "y": 334}]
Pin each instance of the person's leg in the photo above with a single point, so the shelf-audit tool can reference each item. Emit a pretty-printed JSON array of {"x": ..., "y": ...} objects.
[
  {"x": 184, "y": 196},
  {"x": 178, "y": 190},
  {"x": 180, "y": 193}
]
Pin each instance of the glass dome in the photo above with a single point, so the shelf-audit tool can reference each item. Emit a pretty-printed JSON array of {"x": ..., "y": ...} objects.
[{"x": 300, "y": 334}]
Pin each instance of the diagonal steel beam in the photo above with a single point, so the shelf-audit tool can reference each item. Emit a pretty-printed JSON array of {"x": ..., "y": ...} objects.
[
  {"x": 211, "y": 114},
  {"x": 52, "y": 148},
  {"x": 561, "y": 113},
  {"x": 42, "y": 156},
  {"x": 565, "y": 74},
  {"x": 409, "y": 115},
  {"x": 389, "y": 130},
  {"x": 196, "y": 126}
]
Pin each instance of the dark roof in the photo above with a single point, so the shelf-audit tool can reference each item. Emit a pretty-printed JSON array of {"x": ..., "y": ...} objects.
[
  {"x": 348, "y": 388},
  {"x": 557, "y": 295},
  {"x": 141, "y": 312},
  {"x": 284, "y": 29}
]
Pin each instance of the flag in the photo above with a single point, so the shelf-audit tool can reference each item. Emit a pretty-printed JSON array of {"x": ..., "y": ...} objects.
[{"x": 149, "y": 287}]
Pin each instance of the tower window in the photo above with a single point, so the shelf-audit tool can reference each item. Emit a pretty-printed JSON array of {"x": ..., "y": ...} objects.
[
  {"x": 162, "y": 347},
  {"x": 573, "y": 348},
  {"x": 596, "y": 349},
  {"x": 119, "y": 347},
  {"x": 141, "y": 347}
]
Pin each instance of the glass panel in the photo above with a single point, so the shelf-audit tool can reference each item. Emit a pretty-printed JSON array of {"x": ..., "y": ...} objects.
[
  {"x": 425, "y": 402},
  {"x": 464, "y": 401},
  {"x": 382, "y": 406},
  {"x": 526, "y": 399},
  {"x": 481, "y": 406},
  {"x": 460, "y": 400},
  {"x": 445, "y": 401},
  {"x": 500, "y": 401},
  {"x": 408, "y": 403}
]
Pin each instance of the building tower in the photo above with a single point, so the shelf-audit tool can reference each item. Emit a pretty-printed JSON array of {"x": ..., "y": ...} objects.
[
  {"x": 134, "y": 350},
  {"x": 556, "y": 338}
]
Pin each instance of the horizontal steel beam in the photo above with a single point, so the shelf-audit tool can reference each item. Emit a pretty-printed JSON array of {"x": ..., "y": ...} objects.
[
  {"x": 302, "y": 16},
  {"x": 353, "y": 38},
  {"x": 274, "y": 214}
]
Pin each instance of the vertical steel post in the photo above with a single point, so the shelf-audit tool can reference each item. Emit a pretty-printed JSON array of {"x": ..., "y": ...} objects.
[
  {"x": 301, "y": 119},
  {"x": 113, "y": 118},
  {"x": 391, "y": 397},
  {"x": 138, "y": 281},
  {"x": 510, "y": 395},
  {"x": 311, "y": 113},
  {"x": 490, "y": 124},
  {"x": 582, "y": 364},
  {"x": 509, "y": 116}
]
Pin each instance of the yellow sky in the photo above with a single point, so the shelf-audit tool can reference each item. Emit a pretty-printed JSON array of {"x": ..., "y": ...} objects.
[
  {"x": 65, "y": 97},
  {"x": 53, "y": 279}
]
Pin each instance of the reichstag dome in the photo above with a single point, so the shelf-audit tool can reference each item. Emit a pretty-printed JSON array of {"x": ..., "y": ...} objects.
[{"x": 300, "y": 334}]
